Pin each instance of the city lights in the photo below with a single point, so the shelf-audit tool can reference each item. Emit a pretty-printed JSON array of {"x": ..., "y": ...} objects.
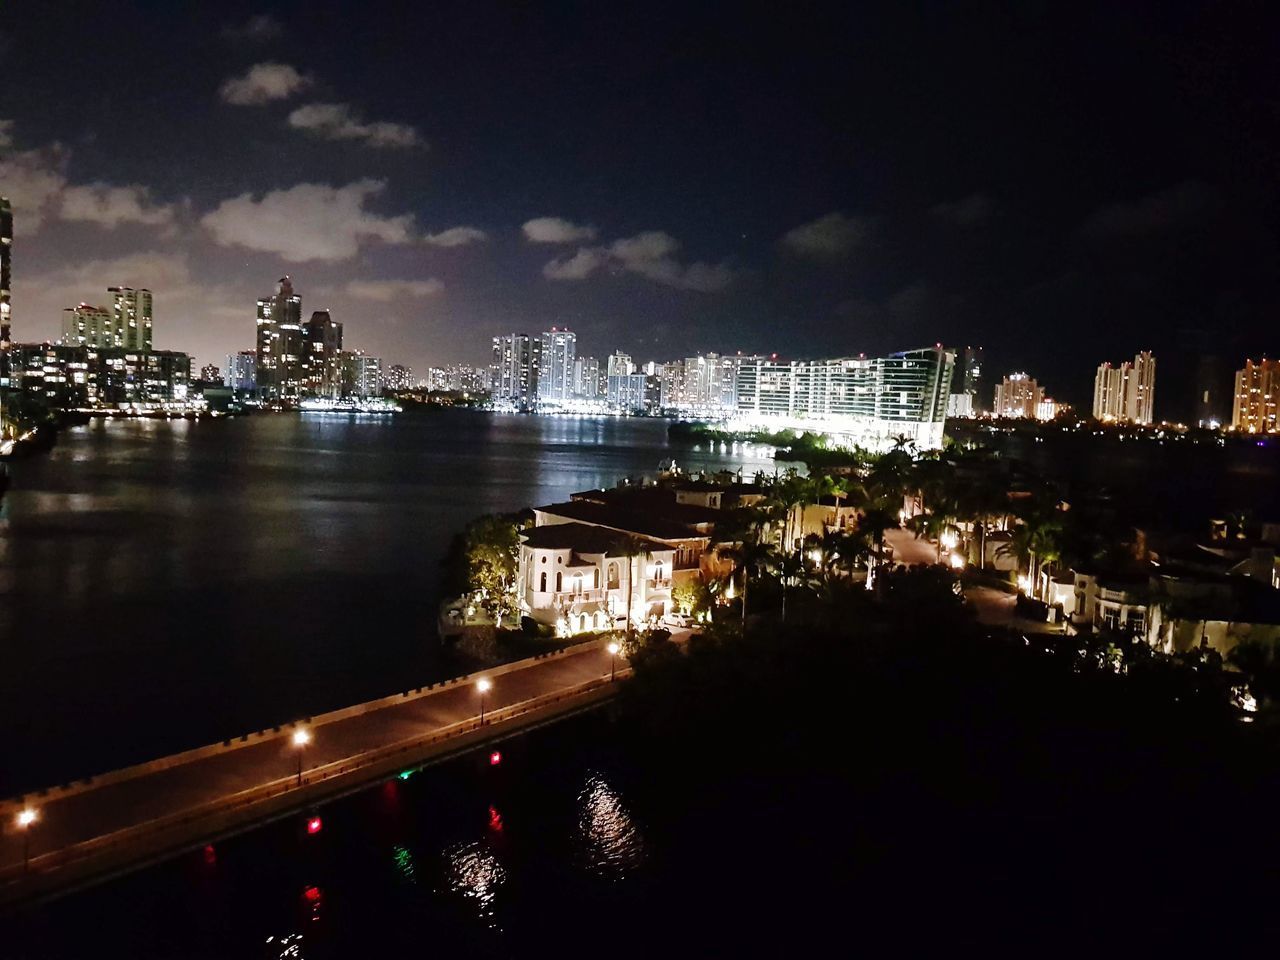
[{"x": 483, "y": 685}]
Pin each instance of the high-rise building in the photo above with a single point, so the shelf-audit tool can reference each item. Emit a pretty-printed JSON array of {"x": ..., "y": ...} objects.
[
  {"x": 242, "y": 370},
  {"x": 627, "y": 391},
  {"x": 555, "y": 375},
  {"x": 6, "y": 267},
  {"x": 399, "y": 377},
  {"x": 131, "y": 311},
  {"x": 965, "y": 399},
  {"x": 210, "y": 373},
  {"x": 281, "y": 344},
  {"x": 619, "y": 364},
  {"x": 516, "y": 367},
  {"x": 361, "y": 374},
  {"x": 322, "y": 337},
  {"x": 586, "y": 378},
  {"x": 860, "y": 401},
  {"x": 86, "y": 326},
  {"x": 1126, "y": 394},
  {"x": 1257, "y": 398},
  {"x": 1018, "y": 395}
]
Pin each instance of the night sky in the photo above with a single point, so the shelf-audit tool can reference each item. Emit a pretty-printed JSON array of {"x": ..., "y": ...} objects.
[{"x": 1063, "y": 184}]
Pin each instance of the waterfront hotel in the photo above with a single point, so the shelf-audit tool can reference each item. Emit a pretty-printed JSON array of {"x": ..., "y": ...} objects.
[{"x": 864, "y": 402}]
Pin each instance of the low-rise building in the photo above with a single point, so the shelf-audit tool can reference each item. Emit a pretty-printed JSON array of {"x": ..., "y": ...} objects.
[{"x": 579, "y": 577}]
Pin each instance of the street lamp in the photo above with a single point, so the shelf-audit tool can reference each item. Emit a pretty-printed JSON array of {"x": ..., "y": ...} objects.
[
  {"x": 484, "y": 685},
  {"x": 301, "y": 737},
  {"x": 613, "y": 649},
  {"x": 26, "y": 817}
]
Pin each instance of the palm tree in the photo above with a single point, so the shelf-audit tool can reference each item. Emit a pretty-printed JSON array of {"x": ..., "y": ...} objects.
[
  {"x": 631, "y": 546},
  {"x": 749, "y": 557}
]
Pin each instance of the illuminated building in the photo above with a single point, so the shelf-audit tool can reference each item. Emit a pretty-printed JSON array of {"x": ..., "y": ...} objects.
[
  {"x": 86, "y": 326},
  {"x": 280, "y": 345},
  {"x": 1018, "y": 396},
  {"x": 361, "y": 374},
  {"x": 131, "y": 311},
  {"x": 458, "y": 378},
  {"x": 210, "y": 373},
  {"x": 555, "y": 374},
  {"x": 579, "y": 577},
  {"x": 966, "y": 401},
  {"x": 6, "y": 266},
  {"x": 627, "y": 392},
  {"x": 866, "y": 402},
  {"x": 701, "y": 385},
  {"x": 1126, "y": 394},
  {"x": 1257, "y": 398},
  {"x": 242, "y": 368},
  {"x": 322, "y": 347},
  {"x": 399, "y": 377},
  {"x": 77, "y": 377},
  {"x": 586, "y": 378},
  {"x": 516, "y": 366}
]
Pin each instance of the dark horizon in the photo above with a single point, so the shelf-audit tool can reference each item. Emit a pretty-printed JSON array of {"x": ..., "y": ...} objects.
[{"x": 1061, "y": 185}]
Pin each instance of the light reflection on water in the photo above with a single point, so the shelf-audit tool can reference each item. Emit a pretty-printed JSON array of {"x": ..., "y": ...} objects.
[
  {"x": 475, "y": 873},
  {"x": 609, "y": 843}
]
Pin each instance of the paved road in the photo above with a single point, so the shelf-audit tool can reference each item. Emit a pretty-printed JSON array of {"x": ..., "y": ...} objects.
[
  {"x": 994, "y": 607},
  {"x": 108, "y": 808}
]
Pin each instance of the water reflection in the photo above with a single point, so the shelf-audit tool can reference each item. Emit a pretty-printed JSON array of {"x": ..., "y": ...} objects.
[
  {"x": 290, "y": 946},
  {"x": 405, "y": 865},
  {"x": 610, "y": 843},
  {"x": 475, "y": 873}
]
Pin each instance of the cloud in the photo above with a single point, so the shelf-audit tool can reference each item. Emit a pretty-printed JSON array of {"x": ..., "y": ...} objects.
[
  {"x": 311, "y": 221},
  {"x": 578, "y": 267},
  {"x": 257, "y": 29},
  {"x": 964, "y": 213},
  {"x": 384, "y": 291},
  {"x": 111, "y": 206},
  {"x": 6, "y": 134},
  {"x": 827, "y": 238},
  {"x": 456, "y": 237},
  {"x": 263, "y": 83},
  {"x": 650, "y": 254},
  {"x": 32, "y": 180},
  {"x": 556, "y": 230},
  {"x": 338, "y": 121},
  {"x": 1185, "y": 203}
]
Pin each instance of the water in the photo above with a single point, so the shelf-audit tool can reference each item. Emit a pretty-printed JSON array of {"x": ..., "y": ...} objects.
[{"x": 169, "y": 584}]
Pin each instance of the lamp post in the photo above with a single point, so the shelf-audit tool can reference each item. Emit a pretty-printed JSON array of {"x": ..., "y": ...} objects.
[
  {"x": 26, "y": 817},
  {"x": 484, "y": 685},
  {"x": 301, "y": 737},
  {"x": 613, "y": 649}
]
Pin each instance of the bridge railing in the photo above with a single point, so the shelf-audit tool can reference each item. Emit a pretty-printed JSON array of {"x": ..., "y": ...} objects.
[{"x": 154, "y": 832}]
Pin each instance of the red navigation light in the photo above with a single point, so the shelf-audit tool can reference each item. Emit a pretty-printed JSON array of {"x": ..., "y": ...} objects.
[
  {"x": 495, "y": 758},
  {"x": 314, "y": 824},
  {"x": 210, "y": 854},
  {"x": 312, "y": 894}
]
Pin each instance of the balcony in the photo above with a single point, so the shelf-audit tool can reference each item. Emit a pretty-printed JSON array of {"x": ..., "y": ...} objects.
[
  {"x": 656, "y": 584},
  {"x": 568, "y": 597}
]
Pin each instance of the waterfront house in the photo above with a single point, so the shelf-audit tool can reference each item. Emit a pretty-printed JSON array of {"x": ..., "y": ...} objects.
[{"x": 577, "y": 577}]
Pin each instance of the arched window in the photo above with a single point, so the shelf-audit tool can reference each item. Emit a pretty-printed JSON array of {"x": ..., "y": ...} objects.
[
  {"x": 596, "y": 581},
  {"x": 577, "y": 584},
  {"x": 613, "y": 576},
  {"x": 559, "y": 581},
  {"x": 542, "y": 588},
  {"x": 657, "y": 570}
]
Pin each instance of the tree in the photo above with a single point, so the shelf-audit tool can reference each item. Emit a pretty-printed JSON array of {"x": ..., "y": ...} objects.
[
  {"x": 492, "y": 549},
  {"x": 631, "y": 546},
  {"x": 749, "y": 557}
]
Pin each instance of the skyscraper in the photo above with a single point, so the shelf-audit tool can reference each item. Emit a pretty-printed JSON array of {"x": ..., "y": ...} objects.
[
  {"x": 6, "y": 255},
  {"x": 555, "y": 375},
  {"x": 131, "y": 313},
  {"x": 1257, "y": 398},
  {"x": 1018, "y": 395},
  {"x": 323, "y": 345},
  {"x": 1126, "y": 393},
  {"x": 280, "y": 344},
  {"x": 87, "y": 326},
  {"x": 242, "y": 371},
  {"x": 1211, "y": 391},
  {"x": 516, "y": 368}
]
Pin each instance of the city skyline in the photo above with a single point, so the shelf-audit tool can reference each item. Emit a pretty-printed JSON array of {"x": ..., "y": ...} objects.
[{"x": 433, "y": 214}]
